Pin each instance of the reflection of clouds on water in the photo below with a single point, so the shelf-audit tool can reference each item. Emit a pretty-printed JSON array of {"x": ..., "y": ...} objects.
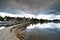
[
  {"x": 46, "y": 31},
  {"x": 45, "y": 25}
]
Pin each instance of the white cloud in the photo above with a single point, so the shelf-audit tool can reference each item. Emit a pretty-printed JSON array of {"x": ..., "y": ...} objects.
[
  {"x": 57, "y": 17},
  {"x": 7, "y": 14},
  {"x": 42, "y": 16},
  {"x": 16, "y": 15},
  {"x": 22, "y": 14}
]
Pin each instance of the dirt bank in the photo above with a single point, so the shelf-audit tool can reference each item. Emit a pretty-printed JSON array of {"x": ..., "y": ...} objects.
[
  {"x": 13, "y": 32},
  {"x": 18, "y": 30},
  {"x": 6, "y": 35}
]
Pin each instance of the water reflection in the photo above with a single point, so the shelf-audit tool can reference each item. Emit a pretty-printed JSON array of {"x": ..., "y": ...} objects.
[{"x": 46, "y": 31}]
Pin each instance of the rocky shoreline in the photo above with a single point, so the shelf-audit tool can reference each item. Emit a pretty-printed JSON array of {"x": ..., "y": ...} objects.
[
  {"x": 14, "y": 32},
  {"x": 18, "y": 30}
]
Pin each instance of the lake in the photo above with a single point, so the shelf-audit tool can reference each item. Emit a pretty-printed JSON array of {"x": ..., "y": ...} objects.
[{"x": 45, "y": 31}]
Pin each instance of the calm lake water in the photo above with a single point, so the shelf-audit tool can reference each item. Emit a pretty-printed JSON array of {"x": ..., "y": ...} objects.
[{"x": 45, "y": 31}]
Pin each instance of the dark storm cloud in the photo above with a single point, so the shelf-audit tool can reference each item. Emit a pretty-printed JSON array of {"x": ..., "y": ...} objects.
[
  {"x": 56, "y": 5},
  {"x": 50, "y": 11},
  {"x": 30, "y": 6}
]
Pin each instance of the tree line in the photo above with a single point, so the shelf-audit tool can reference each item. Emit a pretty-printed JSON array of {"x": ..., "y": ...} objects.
[{"x": 7, "y": 18}]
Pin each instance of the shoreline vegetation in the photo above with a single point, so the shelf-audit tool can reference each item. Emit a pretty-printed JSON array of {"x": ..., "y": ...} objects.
[
  {"x": 9, "y": 21},
  {"x": 8, "y": 18}
]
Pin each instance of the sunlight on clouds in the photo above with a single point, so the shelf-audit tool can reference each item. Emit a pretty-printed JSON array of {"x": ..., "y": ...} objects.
[
  {"x": 42, "y": 16},
  {"x": 3, "y": 14},
  {"x": 24, "y": 14},
  {"x": 57, "y": 17},
  {"x": 28, "y": 15},
  {"x": 16, "y": 15}
]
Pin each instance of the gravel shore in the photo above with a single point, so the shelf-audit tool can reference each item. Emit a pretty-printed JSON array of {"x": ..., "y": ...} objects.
[
  {"x": 5, "y": 34},
  {"x": 18, "y": 31},
  {"x": 13, "y": 32}
]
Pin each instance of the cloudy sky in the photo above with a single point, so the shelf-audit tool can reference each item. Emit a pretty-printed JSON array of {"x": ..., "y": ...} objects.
[{"x": 46, "y": 9}]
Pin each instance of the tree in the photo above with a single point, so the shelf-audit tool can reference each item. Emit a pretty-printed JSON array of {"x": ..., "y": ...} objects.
[{"x": 1, "y": 18}]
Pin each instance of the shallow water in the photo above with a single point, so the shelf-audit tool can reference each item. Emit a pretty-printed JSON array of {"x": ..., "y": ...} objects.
[
  {"x": 46, "y": 31},
  {"x": 2, "y": 27}
]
